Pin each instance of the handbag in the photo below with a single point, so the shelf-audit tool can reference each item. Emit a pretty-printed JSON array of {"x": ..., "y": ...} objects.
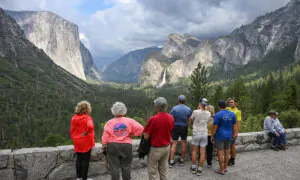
[{"x": 144, "y": 147}]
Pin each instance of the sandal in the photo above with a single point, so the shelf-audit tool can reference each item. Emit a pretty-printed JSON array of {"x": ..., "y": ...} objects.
[{"x": 218, "y": 172}]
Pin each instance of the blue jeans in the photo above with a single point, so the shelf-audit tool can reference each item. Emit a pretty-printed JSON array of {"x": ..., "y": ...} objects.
[
  {"x": 277, "y": 139},
  {"x": 283, "y": 138}
]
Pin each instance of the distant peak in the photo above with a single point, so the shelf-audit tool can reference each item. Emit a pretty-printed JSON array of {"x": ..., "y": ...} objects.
[{"x": 293, "y": 3}]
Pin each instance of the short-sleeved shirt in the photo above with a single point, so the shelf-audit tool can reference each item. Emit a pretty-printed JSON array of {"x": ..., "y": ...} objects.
[
  {"x": 159, "y": 127},
  {"x": 237, "y": 112},
  {"x": 200, "y": 120},
  {"x": 224, "y": 119},
  {"x": 181, "y": 114}
]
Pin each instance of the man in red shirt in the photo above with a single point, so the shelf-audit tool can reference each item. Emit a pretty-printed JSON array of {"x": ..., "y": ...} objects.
[{"x": 159, "y": 128}]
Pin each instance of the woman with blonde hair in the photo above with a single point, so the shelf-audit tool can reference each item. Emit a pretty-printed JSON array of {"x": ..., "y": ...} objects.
[
  {"x": 200, "y": 118},
  {"x": 210, "y": 146},
  {"x": 117, "y": 141},
  {"x": 82, "y": 134}
]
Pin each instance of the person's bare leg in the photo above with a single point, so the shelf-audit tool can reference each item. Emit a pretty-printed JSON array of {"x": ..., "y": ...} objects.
[
  {"x": 202, "y": 156},
  {"x": 173, "y": 150},
  {"x": 233, "y": 151},
  {"x": 221, "y": 160},
  {"x": 226, "y": 158},
  {"x": 183, "y": 149},
  {"x": 194, "y": 154}
]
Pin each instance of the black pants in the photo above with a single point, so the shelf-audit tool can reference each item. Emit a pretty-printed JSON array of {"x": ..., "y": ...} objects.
[
  {"x": 82, "y": 164},
  {"x": 209, "y": 150},
  {"x": 119, "y": 156}
]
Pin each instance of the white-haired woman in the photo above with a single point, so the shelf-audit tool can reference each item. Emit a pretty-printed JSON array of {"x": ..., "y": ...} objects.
[
  {"x": 117, "y": 140},
  {"x": 82, "y": 134}
]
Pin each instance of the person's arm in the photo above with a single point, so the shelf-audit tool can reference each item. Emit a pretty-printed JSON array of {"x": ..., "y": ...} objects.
[
  {"x": 191, "y": 119},
  {"x": 148, "y": 129},
  {"x": 238, "y": 120},
  {"x": 90, "y": 125},
  {"x": 234, "y": 127},
  {"x": 215, "y": 127},
  {"x": 235, "y": 131},
  {"x": 105, "y": 136},
  {"x": 146, "y": 136},
  {"x": 137, "y": 129},
  {"x": 281, "y": 126},
  {"x": 273, "y": 128},
  {"x": 71, "y": 130},
  {"x": 172, "y": 112},
  {"x": 214, "y": 130}
]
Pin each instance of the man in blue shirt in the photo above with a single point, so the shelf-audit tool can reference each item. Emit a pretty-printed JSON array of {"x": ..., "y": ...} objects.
[
  {"x": 181, "y": 114},
  {"x": 224, "y": 129}
]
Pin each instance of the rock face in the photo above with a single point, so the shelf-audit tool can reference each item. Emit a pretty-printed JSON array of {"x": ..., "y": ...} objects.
[
  {"x": 58, "y": 38},
  {"x": 90, "y": 68},
  {"x": 177, "y": 47},
  {"x": 266, "y": 34},
  {"x": 127, "y": 68},
  {"x": 13, "y": 39},
  {"x": 151, "y": 72}
]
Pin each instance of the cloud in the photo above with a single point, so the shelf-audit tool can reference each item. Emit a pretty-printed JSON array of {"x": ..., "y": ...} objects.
[
  {"x": 84, "y": 40},
  {"x": 131, "y": 24}
]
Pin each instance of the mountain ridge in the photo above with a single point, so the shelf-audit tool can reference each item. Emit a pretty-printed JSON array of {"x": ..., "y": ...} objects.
[{"x": 252, "y": 42}]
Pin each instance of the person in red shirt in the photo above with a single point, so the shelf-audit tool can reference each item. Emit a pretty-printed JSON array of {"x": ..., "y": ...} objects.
[
  {"x": 159, "y": 129},
  {"x": 82, "y": 134}
]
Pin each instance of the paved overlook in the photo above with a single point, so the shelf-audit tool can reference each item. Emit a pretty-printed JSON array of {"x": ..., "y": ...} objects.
[{"x": 262, "y": 164}]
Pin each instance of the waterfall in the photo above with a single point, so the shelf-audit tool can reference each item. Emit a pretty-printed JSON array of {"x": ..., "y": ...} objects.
[{"x": 164, "y": 79}]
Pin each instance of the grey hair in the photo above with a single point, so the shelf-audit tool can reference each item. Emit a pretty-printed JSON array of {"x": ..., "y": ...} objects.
[
  {"x": 118, "y": 109},
  {"x": 162, "y": 108}
]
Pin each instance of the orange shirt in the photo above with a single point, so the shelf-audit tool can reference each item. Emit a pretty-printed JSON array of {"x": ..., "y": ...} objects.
[{"x": 81, "y": 123}]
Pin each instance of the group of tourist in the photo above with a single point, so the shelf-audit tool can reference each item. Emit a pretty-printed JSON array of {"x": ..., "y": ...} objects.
[{"x": 209, "y": 131}]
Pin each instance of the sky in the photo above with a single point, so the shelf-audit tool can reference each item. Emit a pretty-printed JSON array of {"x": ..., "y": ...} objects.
[{"x": 111, "y": 28}]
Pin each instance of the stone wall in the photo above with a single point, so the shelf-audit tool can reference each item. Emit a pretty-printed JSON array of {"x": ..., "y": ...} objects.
[{"x": 59, "y": 162}]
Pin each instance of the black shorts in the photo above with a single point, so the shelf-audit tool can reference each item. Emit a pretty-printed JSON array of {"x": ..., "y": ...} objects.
[{"x": 179, "y": 131}]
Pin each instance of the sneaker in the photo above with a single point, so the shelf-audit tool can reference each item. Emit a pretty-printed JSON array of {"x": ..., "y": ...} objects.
[
  {"x": 180, "y": 162},
  {"x": 199, "y": 171},
  {"x": 208, "y": 166},
  {"x": 78, "y": 178},
  {"x": 274, "y": 148},
  {"x": 231, "y": 162},
  {"x": 171, "y": 164},
  {"x": 194, "y": 171},
  {"x": 281, "y": 148}
]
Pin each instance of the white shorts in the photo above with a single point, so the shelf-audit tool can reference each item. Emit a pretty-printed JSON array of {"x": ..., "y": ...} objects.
[{"x": 199, "y": 139}]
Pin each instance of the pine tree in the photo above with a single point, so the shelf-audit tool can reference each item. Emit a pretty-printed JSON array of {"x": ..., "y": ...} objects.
[
  {"x": 219, "y": 95},
  {"x": 198, "y": 86}
]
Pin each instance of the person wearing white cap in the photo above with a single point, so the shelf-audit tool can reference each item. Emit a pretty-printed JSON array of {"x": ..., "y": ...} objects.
[
  {"x": 200, "y": 119},
  {"x": 181, "y": 114}
]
